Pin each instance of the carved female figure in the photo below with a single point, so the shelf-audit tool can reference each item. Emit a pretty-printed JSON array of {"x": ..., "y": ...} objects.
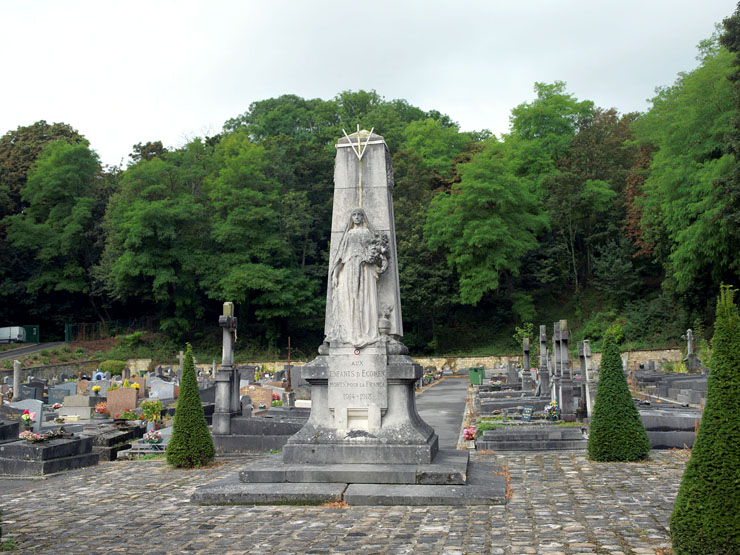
[{"x": 359, "y": 261}]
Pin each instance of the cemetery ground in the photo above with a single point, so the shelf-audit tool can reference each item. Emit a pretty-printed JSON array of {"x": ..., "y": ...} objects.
[{"x": 560, "y": 503}]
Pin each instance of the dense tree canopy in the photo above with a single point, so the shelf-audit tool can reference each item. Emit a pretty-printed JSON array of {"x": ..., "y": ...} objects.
[{"x": 577, "y": 211}]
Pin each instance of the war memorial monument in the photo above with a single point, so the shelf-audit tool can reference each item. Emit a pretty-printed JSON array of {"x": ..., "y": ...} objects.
[{"x": 364, "y": 442}]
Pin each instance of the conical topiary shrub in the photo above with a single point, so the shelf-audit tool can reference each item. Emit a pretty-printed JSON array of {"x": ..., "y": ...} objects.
[
  {"x": 191, "y": 444},
  {"x": 616, "y": 432},
  {"x": 706, "y": 514}
]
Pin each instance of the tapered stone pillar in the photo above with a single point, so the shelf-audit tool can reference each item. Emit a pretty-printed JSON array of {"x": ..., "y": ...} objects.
[
  {"x": 363, "y": 407},
  {"x": 543, "y": 370}
]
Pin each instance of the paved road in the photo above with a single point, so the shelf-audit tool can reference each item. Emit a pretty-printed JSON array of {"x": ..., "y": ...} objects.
[
  {"x": 28, "y": 349},
  {"x": 442, "y": 407}
]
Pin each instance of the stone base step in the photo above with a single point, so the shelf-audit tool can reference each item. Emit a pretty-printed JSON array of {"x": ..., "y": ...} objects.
[
  {"x": 450, "y": 467},
  {"x": 20, "y": 467},
  {"x": 486, "y": 485},
  {"x": 110, "y": 453},
  {"x": 248, "y": 443},
  {"x": 531, "y": 445}
]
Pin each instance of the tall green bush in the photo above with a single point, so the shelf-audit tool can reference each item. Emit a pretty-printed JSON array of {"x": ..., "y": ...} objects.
[
  {"x": 706, "y": 513},
  {"x": 191, "y": 444},
  {"x": 115, "y": 367},
  {"x": 616, "y": 432}
]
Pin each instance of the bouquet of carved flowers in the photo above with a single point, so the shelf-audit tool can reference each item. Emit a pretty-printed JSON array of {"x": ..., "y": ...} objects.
[
  {"x": 27, "y": 418},
  {"x": 56, "y": 406},
  {"x": 469, "y": 433},
  {"x": 153, "y": 437}
]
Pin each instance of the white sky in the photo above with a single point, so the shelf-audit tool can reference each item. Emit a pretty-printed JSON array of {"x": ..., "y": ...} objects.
[{"x": 135, "y": 71}]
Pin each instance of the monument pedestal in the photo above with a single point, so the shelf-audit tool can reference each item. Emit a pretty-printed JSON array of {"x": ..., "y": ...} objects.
[{"x": 387, "y": 430}]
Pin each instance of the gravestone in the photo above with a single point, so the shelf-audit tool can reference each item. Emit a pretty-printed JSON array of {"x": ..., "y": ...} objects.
[
  {"x": 83, "y": 387},
  {"x": 208, "y": 394},
  {"x": 28, "y": 392},
  {"x": 32, "y": 405},
  {"x": 16, "y": 380},
  {"x": 63, "y": 377},
  {"x": 526, "y": 373},
  {"x": 544, "y": 385},
  {"x": 80, "y": 406},
  {"x": 161, "y": 389},
  {"x": 7, "y": 380},
  {"x": 121, "y": 399},
  {"x": 141, "y": 392},
  {"x": 103, "y": 384},
  {"x": 107, "y": 375}
]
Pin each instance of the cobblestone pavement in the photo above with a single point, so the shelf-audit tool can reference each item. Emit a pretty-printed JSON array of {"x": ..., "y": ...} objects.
[{"x": 561, "y": 503}]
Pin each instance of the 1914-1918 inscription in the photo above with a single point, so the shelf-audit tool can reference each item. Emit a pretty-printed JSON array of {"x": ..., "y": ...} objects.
[{"x": 358, "y": 381}]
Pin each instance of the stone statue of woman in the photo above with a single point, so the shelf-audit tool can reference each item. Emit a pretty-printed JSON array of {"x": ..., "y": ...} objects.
[{"x": 359, "y": 261}]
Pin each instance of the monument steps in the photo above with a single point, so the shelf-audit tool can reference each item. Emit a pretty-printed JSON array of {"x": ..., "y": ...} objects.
[
  {"x": 534, "y": 438},
  {"x": 485, "y": 485},
  {"x": 450, "y": 467}
]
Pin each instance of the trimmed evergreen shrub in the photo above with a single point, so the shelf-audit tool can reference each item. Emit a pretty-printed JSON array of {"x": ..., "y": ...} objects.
[
  {"x": 191, "y": 444},
  {"x": 706, "y": 514},
  {"x": 616, "y": 432},
  {"x": 115, "y": 367}
]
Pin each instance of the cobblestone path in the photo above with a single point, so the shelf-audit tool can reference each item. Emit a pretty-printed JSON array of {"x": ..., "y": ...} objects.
[{"x": 561, "y": 503}]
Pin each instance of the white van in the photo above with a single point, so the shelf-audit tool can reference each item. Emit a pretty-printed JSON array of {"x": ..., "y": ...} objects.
[{"x": 15, "y": 334}]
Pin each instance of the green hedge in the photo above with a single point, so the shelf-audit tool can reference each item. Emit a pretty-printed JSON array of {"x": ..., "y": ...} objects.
[
  {"x": 616, "y": 432},
  {"x": 706, "y": 514},
  {"x": 191, "y": 444},
  {"x": 115, "y": 367}
]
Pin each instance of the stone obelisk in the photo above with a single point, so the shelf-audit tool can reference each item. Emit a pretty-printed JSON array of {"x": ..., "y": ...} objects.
[{"x": 363, "y": 407}]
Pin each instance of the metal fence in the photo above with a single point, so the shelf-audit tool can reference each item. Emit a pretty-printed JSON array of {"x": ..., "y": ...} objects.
[{"x": 91, "y": 331}]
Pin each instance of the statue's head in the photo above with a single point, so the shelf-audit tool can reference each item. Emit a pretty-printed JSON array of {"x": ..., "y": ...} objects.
[{"x": 358, "y": 216}]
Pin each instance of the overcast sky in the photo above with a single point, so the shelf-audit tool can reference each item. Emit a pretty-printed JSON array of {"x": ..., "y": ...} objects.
[{"x": 129, "y": 72}]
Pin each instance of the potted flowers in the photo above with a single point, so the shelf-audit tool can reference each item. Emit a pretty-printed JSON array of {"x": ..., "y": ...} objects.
[
  {"x": 57, "y": 406},
  {"x": 27, "y": 419},
  {"x": 276, "y": 401},
  {"x": 153, "y": 437},
  {"x": 151, "y": 411},
  {"x": 96, "y": 390},
  {"x": 101, "y": 410},
  {"x": 552, "y": 411},
  {"x": 469, "y": 436}
]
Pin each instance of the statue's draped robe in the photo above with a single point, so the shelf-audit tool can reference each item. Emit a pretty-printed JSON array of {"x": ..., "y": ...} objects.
[{"x": 355, "y": 302}]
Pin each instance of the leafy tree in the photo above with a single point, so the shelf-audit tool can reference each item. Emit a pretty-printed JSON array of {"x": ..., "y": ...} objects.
[
  {"x": 435, "y": 143},
  {"x": 147, "y": 151},
  {"x": 19, "y": 150},
  {"x": 681, "y": 210},
  {"x": 191, "y": 444},
  {"x": 157, "y": 236},
  {"x": 58, "y": 225},
  {"x": 252, "y": 263},
  {"x": 616, "y": 432},
  {"x": 487, "y": 222},
  {"x": 704, "y": 518}
]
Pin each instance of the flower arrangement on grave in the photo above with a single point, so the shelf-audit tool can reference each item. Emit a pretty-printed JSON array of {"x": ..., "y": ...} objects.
[
  {"x": 262, "y": 406},
  {"x": 96, "y": 389},
  {"x": 102, "y": 408},
  {"x": 276, "y": 401},
  {"x": 469, "y": 433},
  {"x": 27, "y": 418},
  {"x": 127, "y": 414},
  {"x": 59, "y": 420},
  {"x": 552, "y": 411},
  {"x": 57, "y": 406},
  {"x": 152, "y": 410},
  {"x": 34, "y": 437},
  {"x": 153, "y": 437},
  {"x": 135, "y": 385},
  {"x": 112, "y": 387}
]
